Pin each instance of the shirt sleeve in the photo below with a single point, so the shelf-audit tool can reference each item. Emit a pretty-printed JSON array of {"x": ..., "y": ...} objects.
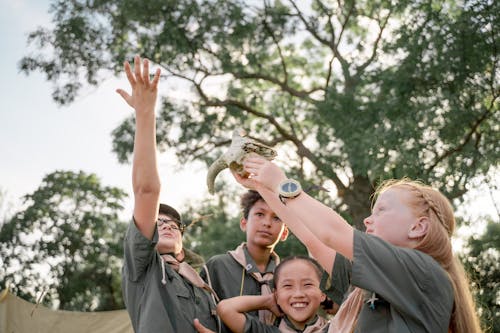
[
  {"x": 340, "y": 278},
  {"x": 138, "y": 251},
  {"x": 402, "y": 276},
  {"x": 253, "y": 325}
]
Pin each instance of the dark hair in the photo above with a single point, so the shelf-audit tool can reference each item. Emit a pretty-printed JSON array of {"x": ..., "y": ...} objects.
[
  {"x": 248, "y": 200},
  {"x": 173, "y": 213},
  {"x": 317, "y": 267}
]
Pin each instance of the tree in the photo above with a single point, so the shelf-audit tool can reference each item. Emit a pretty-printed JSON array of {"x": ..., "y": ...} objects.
[
  {"x": 67, "y": 244},
  {"x": 352, "y": 92},
  {"x": 481, "y": 262}
]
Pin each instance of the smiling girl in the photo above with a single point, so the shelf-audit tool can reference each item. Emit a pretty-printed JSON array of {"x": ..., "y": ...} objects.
[{"x": 297, "y": 295}]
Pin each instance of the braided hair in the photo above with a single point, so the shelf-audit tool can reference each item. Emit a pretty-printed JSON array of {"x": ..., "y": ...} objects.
[{"x": 429, "y": 202}]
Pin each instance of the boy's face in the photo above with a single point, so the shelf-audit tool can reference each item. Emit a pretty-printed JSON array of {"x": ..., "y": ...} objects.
[
  {"x": 169, "y": 235},
  {"x": 297, "y": 292},
  {"x": 263, "y": 227}
]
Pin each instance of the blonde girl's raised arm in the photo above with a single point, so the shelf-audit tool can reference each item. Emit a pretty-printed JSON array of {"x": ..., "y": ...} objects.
[
  {"x": 328, "y": 226},
  {"x": 324, "y": 254}
]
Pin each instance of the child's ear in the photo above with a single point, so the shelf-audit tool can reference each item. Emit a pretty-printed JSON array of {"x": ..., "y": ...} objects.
[
  {"x": 284, "y": 234},
  {"x": 420, "y": 228},
  {"x": 243, "y": 224},
  {"x": 323, "y": 297}
]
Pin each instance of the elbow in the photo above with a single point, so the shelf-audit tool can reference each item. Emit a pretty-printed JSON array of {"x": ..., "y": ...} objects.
[
  {"x": 149, "y": 187},
  {"x": 147, "y": 190},
  {"x": 222, "y": 309}
]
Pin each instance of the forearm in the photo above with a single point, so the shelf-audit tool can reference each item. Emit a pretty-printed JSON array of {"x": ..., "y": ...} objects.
[
  {"x": 325, "y": 224},
  {"x": 324, "y": 254},
  {"x": 232, "y": 310},
  {"x": 145, "y": 177}
]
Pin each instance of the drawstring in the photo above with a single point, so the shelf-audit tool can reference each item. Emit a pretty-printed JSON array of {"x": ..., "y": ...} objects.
[{"x": 163, "y": 280}]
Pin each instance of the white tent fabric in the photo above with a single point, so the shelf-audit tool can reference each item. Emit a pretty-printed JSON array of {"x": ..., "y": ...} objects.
[{"x": 20, "y": 316}]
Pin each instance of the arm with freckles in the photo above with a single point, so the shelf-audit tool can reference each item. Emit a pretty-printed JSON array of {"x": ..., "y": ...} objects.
[
  {"x": 145, "y": 177},
  {"x": 232, "y": 310},
  {"x": 324, "y": 223}
]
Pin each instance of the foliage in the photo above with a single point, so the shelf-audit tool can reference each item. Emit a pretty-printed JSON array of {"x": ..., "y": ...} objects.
[
  {"x": 352, "y": 92},
  {"x": 482, "y": 262},
  {"x": 66, "y": 243}
]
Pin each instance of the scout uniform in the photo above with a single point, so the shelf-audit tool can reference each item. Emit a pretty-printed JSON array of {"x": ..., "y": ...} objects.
[
  {"x": 157, "y": 297},
  {"x": 283, "y": 325},
  {"x": 235, "y": 273},
  {"x": 405, "y": 290}
]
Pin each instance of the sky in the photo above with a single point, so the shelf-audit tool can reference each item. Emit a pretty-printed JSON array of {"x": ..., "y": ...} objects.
[{"x": 38, "y": 137}]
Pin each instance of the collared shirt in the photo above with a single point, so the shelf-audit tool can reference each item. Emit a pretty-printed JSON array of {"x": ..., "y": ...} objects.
[
  {"x": 229, "y": 279},
  {"x": 406, "y": 290},
  {"x": 253, "y": 325},
  {"x": 154, "y": 305}
]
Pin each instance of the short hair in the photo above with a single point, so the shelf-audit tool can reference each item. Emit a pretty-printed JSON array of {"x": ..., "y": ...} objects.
[
  {"x": 248, "y": 200},
  {"x": 173, "y": 213}
]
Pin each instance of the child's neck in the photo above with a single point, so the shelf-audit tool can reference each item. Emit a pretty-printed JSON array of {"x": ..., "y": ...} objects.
[{"x": 260, "y": 256}]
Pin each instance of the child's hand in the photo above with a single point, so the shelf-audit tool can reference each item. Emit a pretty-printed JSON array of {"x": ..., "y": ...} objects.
[
  {"x": 200, "y": 328},
  {"x": 144, "y": 89},
  {"x": 247, "y": 182},
  {"x": 272, "y": 306},
  {"x": 263, "y": 172}
]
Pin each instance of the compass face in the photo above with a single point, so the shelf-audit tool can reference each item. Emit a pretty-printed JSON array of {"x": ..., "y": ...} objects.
[{"x": 290, "y": 188}]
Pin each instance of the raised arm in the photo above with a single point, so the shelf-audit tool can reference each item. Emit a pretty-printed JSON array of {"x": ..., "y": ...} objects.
[
  {"x": 145, "y": 177},
  {"x": 324, "y": 254},
  {"x": 324, "y": 223},
  {"x": 232, "y": 310}
]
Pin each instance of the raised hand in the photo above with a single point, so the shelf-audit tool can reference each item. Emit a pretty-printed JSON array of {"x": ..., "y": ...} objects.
[
  {"x": 144, "y": 89},
  {"x": 262, "y": 173}
]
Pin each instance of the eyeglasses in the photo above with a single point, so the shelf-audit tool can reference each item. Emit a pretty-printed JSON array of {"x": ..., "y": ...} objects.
[{"x": 172, "y": 224}]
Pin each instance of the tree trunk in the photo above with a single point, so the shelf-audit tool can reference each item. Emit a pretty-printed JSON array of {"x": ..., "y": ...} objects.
[{"x": 357, "y": 198}]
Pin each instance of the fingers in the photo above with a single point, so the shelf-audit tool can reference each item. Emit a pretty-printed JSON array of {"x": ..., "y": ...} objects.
[
  {"x": 156, "y": 78},
  {"x": 145, "y": 72},
  {"x": 246, "y": 182},
  {"x": 200, "y": 328},
  {"x": 141, "y": 75},
  {"x": 128, "y": 71},
  {"x": 137, "y": 68},
  {"x": 124, "y": 95}
]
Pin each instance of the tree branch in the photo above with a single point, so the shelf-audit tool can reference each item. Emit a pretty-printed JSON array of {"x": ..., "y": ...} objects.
[
  {"x": 280, "y": 53},
  {"x": 467, "y": 137},
  {"x": 303, "y": 94},
  {"x": 375, "y": 45},
  {"x": 302, "y": 150}
]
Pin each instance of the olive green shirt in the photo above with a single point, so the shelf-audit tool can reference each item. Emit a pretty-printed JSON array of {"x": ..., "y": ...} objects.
[
  {"x": 406, "y": 289},
  {"x": 229, "y": 279},
  {"x": 157, "y": 298}
]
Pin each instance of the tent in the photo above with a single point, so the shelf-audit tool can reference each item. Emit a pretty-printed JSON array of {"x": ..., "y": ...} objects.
[{"x": 20, "y": 316}]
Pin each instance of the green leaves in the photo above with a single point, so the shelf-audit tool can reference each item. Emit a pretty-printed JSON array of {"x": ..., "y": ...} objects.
[
  {"x": 67, "y": 241},
  {"x": 360, "y": 90}
]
